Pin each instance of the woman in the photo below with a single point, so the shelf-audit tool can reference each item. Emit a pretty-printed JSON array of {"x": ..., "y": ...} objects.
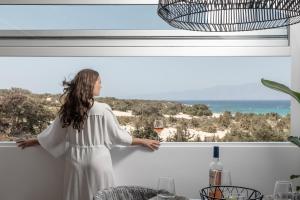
[{"x": 83, "y": 132}]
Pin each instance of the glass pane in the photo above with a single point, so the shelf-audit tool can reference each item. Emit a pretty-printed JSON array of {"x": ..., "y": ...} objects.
[
  {"x": 230, "y": 103},
  {"x": 81, "y": 17},
  {"x": 112, "y": 17}
]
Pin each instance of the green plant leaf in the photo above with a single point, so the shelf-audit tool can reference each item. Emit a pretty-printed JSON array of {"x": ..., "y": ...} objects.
[
  {"x": 294, "y": 176},
  {"x": 280, "y": 87},
  {"x": 294, "y": 140}
]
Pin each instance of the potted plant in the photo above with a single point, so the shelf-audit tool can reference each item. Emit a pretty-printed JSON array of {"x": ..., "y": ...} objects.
[{"x": 283, "y": 88}]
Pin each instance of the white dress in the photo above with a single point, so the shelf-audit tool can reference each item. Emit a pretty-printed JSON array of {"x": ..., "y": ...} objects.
[{"x": 88, "y": 165}]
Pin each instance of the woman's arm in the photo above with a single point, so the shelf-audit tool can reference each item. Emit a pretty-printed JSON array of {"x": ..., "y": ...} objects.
[
  {"x": 152, "y": 144},
  {"x": 27, "y": 143}
]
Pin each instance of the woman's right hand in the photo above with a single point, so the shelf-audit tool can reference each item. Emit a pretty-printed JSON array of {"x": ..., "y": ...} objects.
[{"x": 152, "y": 144}]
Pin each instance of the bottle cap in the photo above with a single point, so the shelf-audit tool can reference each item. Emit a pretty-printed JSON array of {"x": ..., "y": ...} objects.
[{"x": 216, "y": 151}]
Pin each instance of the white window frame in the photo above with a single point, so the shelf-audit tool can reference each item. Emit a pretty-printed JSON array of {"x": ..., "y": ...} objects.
[
  {"x": 41, "y": 43},
  {"x": 142, "y": 43}
]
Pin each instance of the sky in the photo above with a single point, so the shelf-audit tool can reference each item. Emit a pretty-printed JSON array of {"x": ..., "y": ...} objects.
[
  {"x": 80, "y": 17},
  {"x": 129, "y": 77},
  {"x": 124, "y": 77}
]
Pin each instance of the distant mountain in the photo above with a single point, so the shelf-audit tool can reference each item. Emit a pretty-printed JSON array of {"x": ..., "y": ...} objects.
[{"x": 250, "y": 91}]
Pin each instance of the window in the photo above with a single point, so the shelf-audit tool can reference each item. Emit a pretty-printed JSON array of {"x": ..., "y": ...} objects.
[
  {"x": 199, "y": 98},
  {"x": 206, "y": 86}
]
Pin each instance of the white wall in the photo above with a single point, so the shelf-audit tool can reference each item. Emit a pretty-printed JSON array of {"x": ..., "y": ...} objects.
[
  {"x": 295, "y": 77},
  {"x": 32, "y": 174}
]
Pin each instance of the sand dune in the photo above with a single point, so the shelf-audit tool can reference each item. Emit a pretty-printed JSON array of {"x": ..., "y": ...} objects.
[{"x": 170, "y": 131}]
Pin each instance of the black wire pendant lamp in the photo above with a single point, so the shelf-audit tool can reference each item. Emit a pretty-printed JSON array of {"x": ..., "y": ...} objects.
[{"x": 229, "y": 15}]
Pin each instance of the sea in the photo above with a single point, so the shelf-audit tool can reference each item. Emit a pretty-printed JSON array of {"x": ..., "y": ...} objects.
[{"x": 282, "y": 107}]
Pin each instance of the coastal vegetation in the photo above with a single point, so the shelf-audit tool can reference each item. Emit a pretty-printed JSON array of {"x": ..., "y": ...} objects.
[{"x": 25, "y": 114}]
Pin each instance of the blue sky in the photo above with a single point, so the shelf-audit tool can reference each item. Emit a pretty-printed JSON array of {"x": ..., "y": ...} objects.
[
  {"x": 127, "y": 77},
  {"x": 80, "y": 17},
  {"x": 122, "y": 77}
]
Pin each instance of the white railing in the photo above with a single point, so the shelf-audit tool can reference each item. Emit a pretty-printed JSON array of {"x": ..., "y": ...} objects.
[{"x": 33, "y": 174}]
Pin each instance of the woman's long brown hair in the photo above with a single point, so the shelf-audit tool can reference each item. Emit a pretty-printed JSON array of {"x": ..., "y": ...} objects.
[{"x": 78, "y": 98}]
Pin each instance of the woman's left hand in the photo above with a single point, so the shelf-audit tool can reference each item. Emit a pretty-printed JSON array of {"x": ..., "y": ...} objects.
[{"x": 27, "y": 143}]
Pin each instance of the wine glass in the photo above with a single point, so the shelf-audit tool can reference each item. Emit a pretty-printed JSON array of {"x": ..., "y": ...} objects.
[
  {"x": 158, "y": 125},
  {"x": 165, "y": 188},
  {"x": 226, "y": 177},
  {"x": 283, "y": 190},
  {"x": 236, "y": 196}
]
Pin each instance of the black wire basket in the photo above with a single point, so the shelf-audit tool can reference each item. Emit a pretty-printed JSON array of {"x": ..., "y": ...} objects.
[{"x": 227, "y": 192}]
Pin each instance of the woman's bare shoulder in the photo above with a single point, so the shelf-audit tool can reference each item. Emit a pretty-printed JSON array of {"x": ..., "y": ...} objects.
[{"x": 99, "y": 108}]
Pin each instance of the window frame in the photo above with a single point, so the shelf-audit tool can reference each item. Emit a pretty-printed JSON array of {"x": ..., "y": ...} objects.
[{"x": 66, "y": 43}]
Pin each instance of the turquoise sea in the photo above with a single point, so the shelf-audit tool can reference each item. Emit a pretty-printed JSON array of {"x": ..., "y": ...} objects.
[{"x": 282, "y": 107}]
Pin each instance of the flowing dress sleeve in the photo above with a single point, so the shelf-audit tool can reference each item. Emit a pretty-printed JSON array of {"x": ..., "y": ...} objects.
[
  {"x": 54, "y": 138},
  {"x": 114, "y": 134}
]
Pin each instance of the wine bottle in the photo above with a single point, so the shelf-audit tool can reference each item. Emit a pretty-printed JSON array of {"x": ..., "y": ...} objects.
[{"x": 215, "y": 174}]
